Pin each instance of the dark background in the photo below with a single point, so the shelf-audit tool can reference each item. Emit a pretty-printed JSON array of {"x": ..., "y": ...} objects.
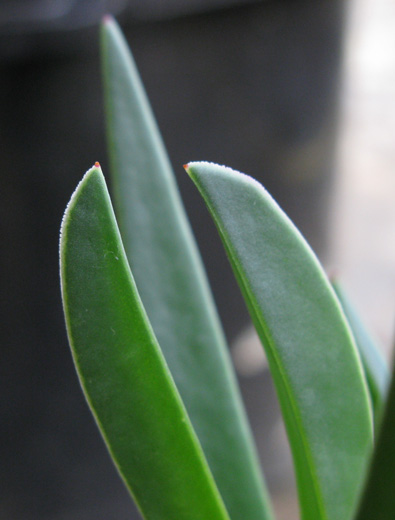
[{"x": 247, "y": 84}]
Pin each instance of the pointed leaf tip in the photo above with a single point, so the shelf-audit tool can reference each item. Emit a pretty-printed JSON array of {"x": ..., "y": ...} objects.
[
  {"x": 97, "y": 164},
  {"x": 107, "y": 18}
]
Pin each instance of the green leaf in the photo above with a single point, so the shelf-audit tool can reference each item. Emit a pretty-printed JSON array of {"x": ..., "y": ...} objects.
[
  {"x": 312, "y": 358},
  {"x": 173, "y": 286},
  {"x": 378, "y": 500},
  {"x": 121, "y": 368},
  {"x": 375, "y": 367}
]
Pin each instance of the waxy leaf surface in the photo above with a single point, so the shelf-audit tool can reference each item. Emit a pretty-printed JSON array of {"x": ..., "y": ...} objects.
[
  {"x": 311, "y": 354},
  {"x": 173, "y": 286},
  {"x": 122, "y": 370}
]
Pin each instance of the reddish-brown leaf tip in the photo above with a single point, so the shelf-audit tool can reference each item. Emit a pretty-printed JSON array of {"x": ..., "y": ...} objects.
[
  {"x": 185, "y": 166},
  {"x": 97, "y": 164}
]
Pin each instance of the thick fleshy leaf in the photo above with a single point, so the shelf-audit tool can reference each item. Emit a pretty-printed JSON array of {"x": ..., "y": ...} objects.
[
  {"x": 172, "y": 283},
  {"x": 375, "y": 366},
  {"x": 378, "y": 500},
  {"x": 311, "y": 354},
  {"x": 122, "y": 370}
]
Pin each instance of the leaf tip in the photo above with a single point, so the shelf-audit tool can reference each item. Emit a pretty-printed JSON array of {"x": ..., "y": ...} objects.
[
  {"x": 107, "y": 19},
  {"x": 97, "y": 164}
]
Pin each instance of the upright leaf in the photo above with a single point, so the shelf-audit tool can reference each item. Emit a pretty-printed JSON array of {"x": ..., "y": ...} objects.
[
  {"x": 172, "y": 283},
  {"x": 121, "y": 368},
  {"x": 374, "y": 365},
  {"x": 378, "y": 500},
  {"x": 312, "y": 358}
]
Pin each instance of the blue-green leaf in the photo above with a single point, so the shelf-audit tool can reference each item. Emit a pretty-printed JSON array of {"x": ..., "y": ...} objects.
[{"x": 310, "y": 350}]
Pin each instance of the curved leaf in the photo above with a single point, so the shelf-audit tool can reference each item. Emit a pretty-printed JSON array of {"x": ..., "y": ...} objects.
[
  {"x": 374, "y": 365},
  {"x": 378, "y": 500},
  {"x": 121, "y": 368},
  {"x": 172, "y": 283},
  {"x": 312, "y": 358}
]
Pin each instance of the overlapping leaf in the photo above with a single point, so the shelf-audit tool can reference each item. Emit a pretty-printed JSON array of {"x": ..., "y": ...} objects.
[{"x": 172, "y": 283}]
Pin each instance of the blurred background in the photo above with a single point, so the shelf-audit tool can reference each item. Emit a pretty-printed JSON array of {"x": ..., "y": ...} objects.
[{"x": 298, "y": 93}]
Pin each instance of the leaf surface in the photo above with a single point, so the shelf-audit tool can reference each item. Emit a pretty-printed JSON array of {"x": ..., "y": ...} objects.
[
  {"x": 311, "y": 354},
  {"x": 375, "y": 367},
  {"x": 378, "y": 500},
  {"x": 173, "y": 285},
  {"x": 122, "y": 370}
]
